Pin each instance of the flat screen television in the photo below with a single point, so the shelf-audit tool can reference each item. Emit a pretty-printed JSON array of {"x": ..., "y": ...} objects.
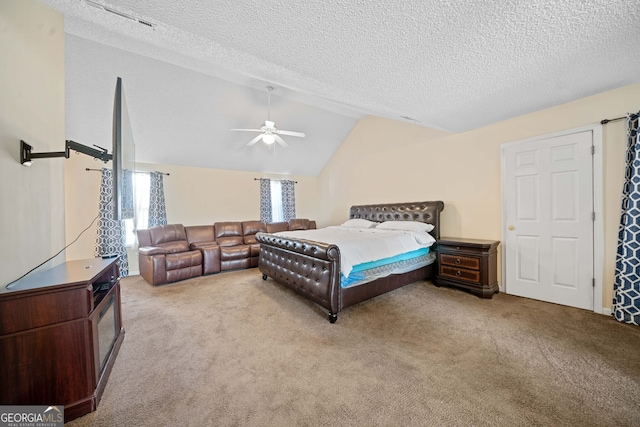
[{"x": 124, "y": 159}]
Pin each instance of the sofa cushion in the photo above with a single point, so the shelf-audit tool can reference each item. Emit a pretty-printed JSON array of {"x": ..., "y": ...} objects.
[
  {"x": 228, "y": 233},
  {"x": 276, "y": 227},
  {"x": 183, "y": 273},
  {"x": 298, "y": 224},
  {"x": 151, "y": 250},
  {"x": 225, "y": 229},
  {"x": 254, "y": 249},
  {"x": 165, "y": 248},
  {"x": 250, "y": 228},
  {"x": 167, "y": 233},
  {"x": 230, "y": 241},
  {"x": 234, "y": 252},
  {"x": 234, "y": 264},
  {"x": 184, "y": 260},
  {"x": 199, "y": 233}
]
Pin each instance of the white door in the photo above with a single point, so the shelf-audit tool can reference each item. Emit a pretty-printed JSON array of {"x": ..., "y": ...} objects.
[{"x": 548, "y": 214}]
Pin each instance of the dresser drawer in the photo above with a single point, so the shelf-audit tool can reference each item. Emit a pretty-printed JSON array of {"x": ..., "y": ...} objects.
[
  {"x": 460, "y": 261},
  {"x": 460, "y": 274}
]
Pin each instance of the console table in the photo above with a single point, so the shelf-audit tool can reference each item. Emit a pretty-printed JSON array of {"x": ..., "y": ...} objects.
[{"x": 60, "y": 332}]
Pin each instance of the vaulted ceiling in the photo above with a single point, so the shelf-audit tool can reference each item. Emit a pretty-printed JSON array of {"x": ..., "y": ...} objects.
[{"x": 454, "y": 65}]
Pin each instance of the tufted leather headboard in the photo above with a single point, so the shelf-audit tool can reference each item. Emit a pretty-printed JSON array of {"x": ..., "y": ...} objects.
[{"x": 428, "y": 212}]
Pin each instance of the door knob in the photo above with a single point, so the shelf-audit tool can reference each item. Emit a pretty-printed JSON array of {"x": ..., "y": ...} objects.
[{"x": 511, "y": 227}]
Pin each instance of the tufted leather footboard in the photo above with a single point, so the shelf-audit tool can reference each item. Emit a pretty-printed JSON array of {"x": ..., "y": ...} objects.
[
  {"x": 313, "y": 269},
  {"x": 309, "y": 268}
]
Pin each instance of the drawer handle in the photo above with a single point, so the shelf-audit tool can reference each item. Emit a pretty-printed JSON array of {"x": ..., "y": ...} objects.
[
  {"x": 457, "y": 260},
  {"x": 458, "y": 273}
]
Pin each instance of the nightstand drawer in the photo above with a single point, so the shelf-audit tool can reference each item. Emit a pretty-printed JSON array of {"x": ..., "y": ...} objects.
[
  {"x": 460, "y": 274},
  {"x": 460, "y": 261},
  {"x": 469, "y": 264}
]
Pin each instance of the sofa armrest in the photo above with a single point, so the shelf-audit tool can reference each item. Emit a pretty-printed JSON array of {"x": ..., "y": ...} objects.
[
  {"x": 210, "y": 258},
  {"x": 153, "y": 268},
  {"x": 200, "y": 245}
]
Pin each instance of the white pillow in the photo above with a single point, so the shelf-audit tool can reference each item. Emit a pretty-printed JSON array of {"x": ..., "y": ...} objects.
[
  {"x": 406, "y": 226},
  {"x": 359, "y": 223}
]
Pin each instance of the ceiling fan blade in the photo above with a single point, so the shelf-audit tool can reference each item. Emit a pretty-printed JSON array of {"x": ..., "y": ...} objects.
[
  {"x": 247, "y": 130},
  {"x": 254, "y": 140},
  {"x": 291, "y": 133},
  {"x": 281, "y": 141}
]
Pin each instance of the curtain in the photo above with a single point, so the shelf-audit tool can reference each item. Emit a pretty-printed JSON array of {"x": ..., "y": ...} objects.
[
  {"x": 127, "y": 206},
  {"x": 157, "y": 208},
  {"x": 265, "y": 200},
  {"x": 626, "y": 288},
  {"x": 110, "y": 237},
  {"x": 288, "y": 200}
]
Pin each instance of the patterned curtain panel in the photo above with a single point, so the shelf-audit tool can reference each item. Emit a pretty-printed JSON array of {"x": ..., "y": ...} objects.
[
  {"x": 127, "y": 208},
  {"x": 110, "y": 238},
  {"x": 157, "y": 208},
  {"x": 288, "y": 199},
  {"x": 626, "y": 289},
  {"x": 265, "y": 200}
]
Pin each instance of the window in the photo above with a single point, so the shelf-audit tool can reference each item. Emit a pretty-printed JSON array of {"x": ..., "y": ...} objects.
[
  {"x": 277, "y": 200},
  {"x": 277, "y": 210},
  {"x": 141, "y": 188}
]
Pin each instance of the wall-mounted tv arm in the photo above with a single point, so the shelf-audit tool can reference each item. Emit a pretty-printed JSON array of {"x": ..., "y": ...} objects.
[{"x": 26, "y": 156}]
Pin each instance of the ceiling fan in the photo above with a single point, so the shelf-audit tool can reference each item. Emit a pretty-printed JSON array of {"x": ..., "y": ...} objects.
[{"x": 268, "y": 132}]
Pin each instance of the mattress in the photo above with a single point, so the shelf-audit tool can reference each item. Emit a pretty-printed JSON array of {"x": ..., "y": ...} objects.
[
  {"x": 359, "y": 246},
  {"x": 367, "y": 272}
]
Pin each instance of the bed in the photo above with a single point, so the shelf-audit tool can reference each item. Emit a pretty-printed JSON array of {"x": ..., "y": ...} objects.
[{"x": 313, "y": 268}]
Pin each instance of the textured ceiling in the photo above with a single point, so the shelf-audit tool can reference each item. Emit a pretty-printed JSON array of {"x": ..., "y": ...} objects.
[{"x": 454, "y": 65}]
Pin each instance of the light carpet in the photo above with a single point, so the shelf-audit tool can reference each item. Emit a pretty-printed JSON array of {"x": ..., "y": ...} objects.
[{"x": 234, "y": 350}]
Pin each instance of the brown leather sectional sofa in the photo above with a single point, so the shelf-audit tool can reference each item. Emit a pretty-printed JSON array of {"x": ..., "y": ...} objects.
[{"x": 174, "y": 252}]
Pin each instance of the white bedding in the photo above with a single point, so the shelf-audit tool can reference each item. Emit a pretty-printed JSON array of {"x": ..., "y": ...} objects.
[{"x": 360, "y": 245}]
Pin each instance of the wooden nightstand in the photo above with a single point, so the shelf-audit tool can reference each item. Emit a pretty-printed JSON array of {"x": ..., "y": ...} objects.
[{"x": 469, "y": 264}]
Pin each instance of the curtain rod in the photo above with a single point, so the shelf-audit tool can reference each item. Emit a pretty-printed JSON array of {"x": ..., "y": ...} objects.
[
  {"x": 258, "y": 179},
  {"x": 100, "y": 170},
  {"x": 605, "y": 121}
]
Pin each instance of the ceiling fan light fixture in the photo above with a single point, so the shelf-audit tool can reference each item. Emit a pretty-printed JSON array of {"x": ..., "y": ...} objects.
[
  {"x": 268, "y": 138},
  {"x": 269, "y": 132}
]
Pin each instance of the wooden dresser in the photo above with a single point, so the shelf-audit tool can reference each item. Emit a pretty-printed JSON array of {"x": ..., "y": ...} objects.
[
  {"x": 60, "y": 331},
  {"x": 470, "y": 264}
]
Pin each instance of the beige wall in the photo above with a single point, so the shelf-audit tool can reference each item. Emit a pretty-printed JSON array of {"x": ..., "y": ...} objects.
[
  {"x": 32, "y": 109},
  {"x": 359, "y": 173},
  {"x": 203, "y": 196},
  {"x": 82, "y": 198},
  {"x": 194, "y": 196},
  {"x": 463, "y": 170}
]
